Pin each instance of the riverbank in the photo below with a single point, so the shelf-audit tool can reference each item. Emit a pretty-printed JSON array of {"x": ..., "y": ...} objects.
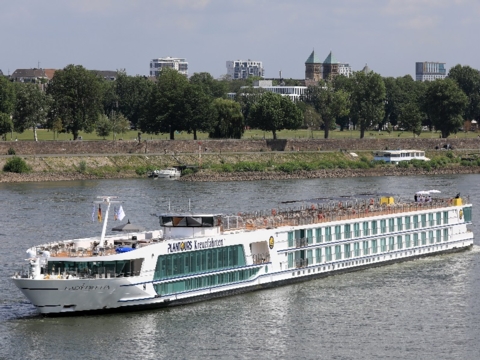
[{"x": 210, "y": 176}]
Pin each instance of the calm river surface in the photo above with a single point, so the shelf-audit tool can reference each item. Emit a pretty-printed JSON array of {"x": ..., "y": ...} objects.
[{"x": 425, "y": 309}]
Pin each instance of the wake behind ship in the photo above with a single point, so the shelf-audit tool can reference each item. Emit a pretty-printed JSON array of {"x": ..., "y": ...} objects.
[{"x": 199, "y": 256}]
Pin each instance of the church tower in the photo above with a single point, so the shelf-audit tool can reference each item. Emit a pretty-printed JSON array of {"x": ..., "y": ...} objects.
[
  {"x": 330, "y": 67},
  {"x": 313, "y": 68}
]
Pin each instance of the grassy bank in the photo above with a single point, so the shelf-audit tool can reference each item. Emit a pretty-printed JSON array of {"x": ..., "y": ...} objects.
[{"x": 306, "y": 163}]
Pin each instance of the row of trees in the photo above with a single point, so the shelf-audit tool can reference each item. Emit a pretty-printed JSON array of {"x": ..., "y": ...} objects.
[{"x": 78, "y": 100}]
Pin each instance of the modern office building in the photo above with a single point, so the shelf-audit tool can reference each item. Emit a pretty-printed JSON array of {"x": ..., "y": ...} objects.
[
  {"x": 179, "y": 64},
  {"x": 429, "y": 71},
  {"x": 293, "y": 92},
  {"x": 242, "y": 69}
]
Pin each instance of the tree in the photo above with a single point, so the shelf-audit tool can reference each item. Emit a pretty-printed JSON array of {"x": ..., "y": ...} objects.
[
  {"x": 120, "y": 124},
  {"x": 368, "y": 99},
  {"x": 410, "y": 118},
  {"x": 247, "y": 97},
  {"x": 329, "y": 103},
  {"x": 6, "y": 125},
  {"x": 228, "y": 120},
  {"x": 468, "y": 79},
  {"x": 7, "y": 96},
  {"x": 133, "y": 94},
  {"x": 31, "y": 108},
  {"x": 209, "y": 85},
  {"x": 197, "y": 111},
  {"x": 103, "y": 126},
  {"x": 77, "y": 96},
  {"x": 166, "y": 104},
  {"x": 274, "y": 112},
  {"x": 445, "y": 103}
]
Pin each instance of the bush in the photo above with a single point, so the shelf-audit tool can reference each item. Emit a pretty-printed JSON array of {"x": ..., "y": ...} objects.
[
  {"x": 403, "y": 164},
  {"x": 247, "y": 166},
  {"x": 11, "y": 151},
  {"x": 82, "y": 167},
  {"x": 188, "y": 172},
  {"x": 227, "y": 168},
  {"x": 16, "y": 165}
]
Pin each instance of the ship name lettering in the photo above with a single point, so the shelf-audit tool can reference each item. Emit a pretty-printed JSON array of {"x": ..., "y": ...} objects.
[
  {"x": 179, "y": 246},
  {"x": 210, "y": 243},
  {"x": 84, "y": 287}
]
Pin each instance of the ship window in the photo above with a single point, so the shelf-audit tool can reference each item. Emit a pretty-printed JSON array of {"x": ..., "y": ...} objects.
[
  {"x": 356, "y": 230},
  {"x": 439, "y": 236},
  {"x": 356, "y": 249},
  {"x": 318, "y": 235},
  {"x": 328, "y": 253},
  {"x": 374, "y": 247},
  {"x": 391, "y": 243},
  {"x": 338, "y": 252},
  {"x": 445, "y": 217},
  {"x": 365, "y": 248},
  {"x": 290, "y": 260},
  {"x": 407, "y": 241},
  {"x": 399, "y": 242},
  {"x": 430, "y": 237},
  {"x": 430, "y": 219},
  {"x": 310, "y": 236},
  {"x": 383, "y": 244},
  {"x": 347, "y": 232},
  {"x": 407, "y": 223},
  {"x": 445, "y": 234},
  {"x": 92, "y": 268},
  {"x": 366, "y": 230},
  {"x": 399, "y": 223},
  {"x": 309, "y": 257},
  {"x": 318, "y": 255},
  {"x": 391, "y": 225},
  {"x": 328, "y": 233},
  {"x": 383, "y": 226},
  {"x": 415, "y": 222},
  {"x": 338, "y": 232},
  {"x": 374, "y": 228},
  {"x": 424, "y": 238},
  {"x": 346, "y": 251},
  {"x": 415, "y": 239},
  {"x": 467, "y": 214},
  {"x": 439, "y": 218},
  {"x": 424, "y": 220},
  {"x": 193, "y": 262},
  {"x": 290, "y": 239}
]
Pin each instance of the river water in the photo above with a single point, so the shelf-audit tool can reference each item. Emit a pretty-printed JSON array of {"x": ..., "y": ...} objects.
[{"x": 425, "y": 309}]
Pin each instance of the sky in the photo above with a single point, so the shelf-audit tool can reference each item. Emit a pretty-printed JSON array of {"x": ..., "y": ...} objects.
[{"x": 388, "y": 35}]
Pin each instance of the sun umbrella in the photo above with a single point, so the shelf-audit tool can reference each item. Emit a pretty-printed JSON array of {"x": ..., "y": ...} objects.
[
  {"x": 434, "y": 191},
  {"x": 128, "y": 227}
]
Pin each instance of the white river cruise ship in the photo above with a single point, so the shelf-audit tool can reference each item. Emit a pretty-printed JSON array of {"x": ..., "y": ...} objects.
[{"x": 194, "y": 257}]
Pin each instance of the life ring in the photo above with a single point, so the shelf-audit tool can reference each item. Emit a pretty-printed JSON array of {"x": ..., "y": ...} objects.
[
  {"x": 372, "y": 201},
  {"x": 274, "y": 212}
]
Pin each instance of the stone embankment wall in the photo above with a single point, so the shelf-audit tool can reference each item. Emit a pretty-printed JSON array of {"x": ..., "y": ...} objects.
[{"x": 122, "y": 147}]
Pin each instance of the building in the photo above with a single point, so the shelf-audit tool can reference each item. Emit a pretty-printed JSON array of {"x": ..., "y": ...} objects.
[
  {"x": 108, "y": 75},
  {"x": 179, "y": 64},
  {"x": 293, "y": 92},
  {"x": 345, "y": 69},
  {"x": 241, "y": 69},
  {"x": 330, "y": 67},
  {"x": 313, "y": 68},
  {"x": 32, "y": 75},
  {"x": 429, "y": 71}
]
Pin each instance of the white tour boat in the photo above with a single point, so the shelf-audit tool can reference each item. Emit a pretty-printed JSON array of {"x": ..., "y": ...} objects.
[
  {"x": 396, "y": 156},
  {"x": 169, "y": 173},
  {"x": 194, "y": 257}
]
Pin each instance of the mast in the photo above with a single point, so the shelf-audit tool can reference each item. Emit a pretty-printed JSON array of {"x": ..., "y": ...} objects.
[{"x": 107, "y": 200}]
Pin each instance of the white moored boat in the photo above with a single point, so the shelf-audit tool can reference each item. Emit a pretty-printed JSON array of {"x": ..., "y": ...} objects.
[
  {"x": 194, "y": 257},
  {"x": 396, "y": 156},
  {"x": 169, "y": 173}
]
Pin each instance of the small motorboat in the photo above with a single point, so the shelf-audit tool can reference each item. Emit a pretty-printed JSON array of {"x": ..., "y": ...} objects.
[{"x": 169, "y": 173}]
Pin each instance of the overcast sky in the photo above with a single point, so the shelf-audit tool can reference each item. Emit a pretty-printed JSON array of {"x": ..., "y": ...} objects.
[{"x": 389, "y": 35}]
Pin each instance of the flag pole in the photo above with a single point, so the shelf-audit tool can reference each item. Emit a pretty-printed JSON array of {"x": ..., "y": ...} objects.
[{"x": 107, "y": 200}]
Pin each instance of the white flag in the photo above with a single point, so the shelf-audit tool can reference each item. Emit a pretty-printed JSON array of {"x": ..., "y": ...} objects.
[{"x": 121, "y": 213}]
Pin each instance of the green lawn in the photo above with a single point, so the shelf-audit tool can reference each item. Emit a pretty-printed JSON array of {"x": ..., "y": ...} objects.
[{"x": 249, "y": 134}]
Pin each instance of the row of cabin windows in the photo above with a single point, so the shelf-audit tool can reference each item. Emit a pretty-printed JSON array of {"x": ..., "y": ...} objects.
[
  {"x": 195, "y": 262},
  {"x": 304, "y": 237},
  {"x": 204, "y": 281},
  {"x": 363, "y": 248}
]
